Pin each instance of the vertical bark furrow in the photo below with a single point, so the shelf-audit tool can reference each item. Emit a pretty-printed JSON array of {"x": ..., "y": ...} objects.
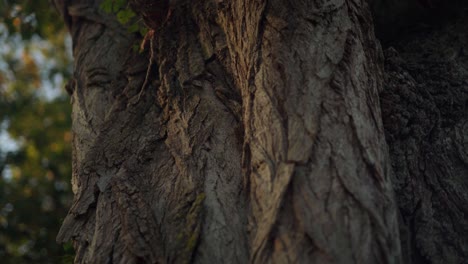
[
  {"x": 284, "y": 104},
  {"x": 202, "y": 137}
]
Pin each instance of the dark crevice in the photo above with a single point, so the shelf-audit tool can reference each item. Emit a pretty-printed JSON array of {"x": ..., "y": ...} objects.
[{"x": 396, "y": 19}]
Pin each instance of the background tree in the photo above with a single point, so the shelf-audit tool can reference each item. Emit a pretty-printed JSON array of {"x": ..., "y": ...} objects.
[{"x": 35, "y": 135}]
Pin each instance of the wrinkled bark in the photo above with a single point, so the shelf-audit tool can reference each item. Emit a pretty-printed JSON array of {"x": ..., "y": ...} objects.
[
  {"x": 259, "y": 139},
  {"x": 425, "y": 116}
]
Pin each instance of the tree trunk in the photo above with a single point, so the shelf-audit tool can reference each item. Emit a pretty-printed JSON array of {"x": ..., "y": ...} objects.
[
  {"x": 258, "y": 139},
  {"x": 425, "y": 114}
]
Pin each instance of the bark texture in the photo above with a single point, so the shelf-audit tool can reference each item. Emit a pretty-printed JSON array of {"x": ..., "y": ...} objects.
[
  {"x": 425, "y": 113},
  {"x": 258, "y": 139}
]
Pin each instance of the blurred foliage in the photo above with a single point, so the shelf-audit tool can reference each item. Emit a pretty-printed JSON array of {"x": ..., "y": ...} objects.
[{"x": 35, "y": 136}]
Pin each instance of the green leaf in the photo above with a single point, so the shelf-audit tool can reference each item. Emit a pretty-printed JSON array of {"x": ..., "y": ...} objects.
[
  {"x": 125, "y": 15},
  {"x": 135, "y": 27},
  {"x": 106, "y": 6},
  {"x": 118, "y": 5}
]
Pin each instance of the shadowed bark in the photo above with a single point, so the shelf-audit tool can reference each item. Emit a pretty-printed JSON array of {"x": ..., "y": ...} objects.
[
  {"x": 426, "y": 121},
  {"x": 424, "y": 106},
  {"x": 258, "y": 139}
]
